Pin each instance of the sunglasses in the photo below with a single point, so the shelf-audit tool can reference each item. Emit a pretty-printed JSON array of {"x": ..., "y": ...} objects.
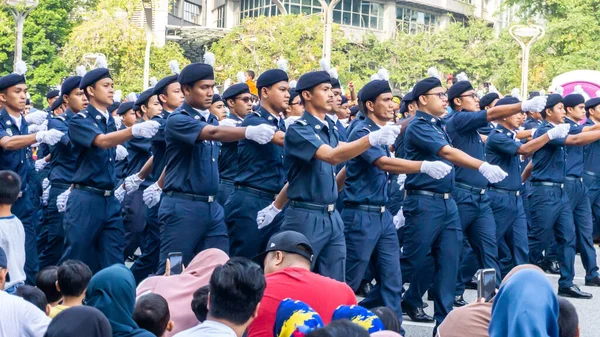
[{"x": 245, "y": 99}]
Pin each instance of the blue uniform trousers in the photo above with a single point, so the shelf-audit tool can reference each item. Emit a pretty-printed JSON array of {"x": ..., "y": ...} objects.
[
  {"x": 432, "y": 237},
  {"x": 371, "y": 236},
  {"x": 552, "y": 217},
  {"x": 245, "y": 239},
  {"x": 147, "y": 263},
  {"x": 94, "y": 230},
  {"x": 55, "y": 233},
  {"x": 593, "y": 185},
  {"x": 325, "y": 232},
  {"x": 526, "y": 189},
  {"x": 225, "y": 189},
  {"x": 134, "y": 220},
  {"x": 23, "y": 209},
  {"x": 190, "y": 227}
]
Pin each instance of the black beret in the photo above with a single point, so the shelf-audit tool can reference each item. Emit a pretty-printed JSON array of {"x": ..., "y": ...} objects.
[
  {"x": 354, "y": 110},
  {"x": 423, "y": 86},
  {"x": 124, "y": 107},
  {"x": 93, "y": 76},
  {"x": 592, "y": 103},
  {"x": 164, "y": 83},
  {"x": 553, "y": 99},
  {"x": 507, "y": 100},
  {"x": 11, "y": 80},
  {"x": 56, "y": 104},
  {"x": 458, "y": 89},
  {"x": 403, "y": 107},
  {"x": 270, "y": 77},
  {"x": 293, "y": 94},
  {"x": 373, "y": 89},
  {"x": 312, "y": 79},
  {"x": 217, "y": 98},
  {"x": 113, "y": 107},
  {"x": 408, "y": 97},
  {"x": 573, "y": 100},
  {"x": 235, "y": 90},
  {"x": 144, "y": 97},
  {"x": 487, "y": 100},
  {"x": 70, "y": 84},
  {"x": 335, "y": 83},
  {"x": 533, "y": 94},
  {"x": 52, "y": 93},
  {"x": 195, "y": 72},
  {"x": 344, "y": 99}
]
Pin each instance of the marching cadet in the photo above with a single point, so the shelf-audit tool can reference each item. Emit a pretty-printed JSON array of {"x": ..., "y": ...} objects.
[
  {"x": 217, "y": 107},
  {"x": 311, "y": 152},
  {"x": 15, "y": 141},
  {"x": 127, "y": 117},
  {"x": 94, "y": 230},
  {"x": 591, "y": 168},
  {"x": 52, "y": 96},
  {"x": 296, "y": 108},
  {"x": 239, "y": 101},
  {"x": 260, "y": 173}
]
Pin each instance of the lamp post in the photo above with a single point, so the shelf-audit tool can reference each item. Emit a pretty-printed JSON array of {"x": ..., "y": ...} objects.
[
  {"x": 526, "y": 36},
  {"x": 148, "y": 13},
  {"x": 328, "y": 18},
  {"x": 20, "y": 9}
]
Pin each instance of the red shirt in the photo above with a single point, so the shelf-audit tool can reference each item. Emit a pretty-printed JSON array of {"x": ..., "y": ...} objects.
[{"x": 321, "y": 293}]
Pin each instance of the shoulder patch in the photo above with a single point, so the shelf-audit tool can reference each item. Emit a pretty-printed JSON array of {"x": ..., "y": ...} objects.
[
  {"x": 301, "y": 121},
  {"x": 255, "y": 113},
  {"x": 82, "y": 114},
  {"x": 366, "y": 129},
  {"x": 59, "y": 117}
]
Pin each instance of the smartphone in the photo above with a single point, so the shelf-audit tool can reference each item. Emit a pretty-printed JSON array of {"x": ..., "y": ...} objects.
[
  {"x": 176, "y": 260},
  {"x": 486, "y": 284}
]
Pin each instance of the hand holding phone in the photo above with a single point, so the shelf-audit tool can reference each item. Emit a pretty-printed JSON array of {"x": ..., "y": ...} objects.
[
  {"x": 486, "y": 284},
  {"x": 176, "y": 263}
]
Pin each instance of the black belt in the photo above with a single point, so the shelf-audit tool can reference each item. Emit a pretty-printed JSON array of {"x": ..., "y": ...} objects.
[
  {"x": 60, "y": 185},
  {"x": 256, "y": 191},
  {"x": 569, "y": 178},
  {"x": 191, "y": 197},
  {"x": 226, "y": 182},
  {"x": 592, "y": 174},
  {"x": 313, "y": 207},
  {"x": 547, "y": 183},
  {"x": 366, "y": 208},
  {"x": 473, "y": 189},
  {"x": 501, "y": 190},
  {"x": 430, "y": 194},
  {"x": 97, "y": 191}
]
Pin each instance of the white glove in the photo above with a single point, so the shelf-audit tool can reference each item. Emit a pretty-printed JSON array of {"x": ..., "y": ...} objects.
[
  {"x": 262, "y": 134},
  {"x": 120, "y": 193},
  {"x": 145, "y": 129},
  {"x": 435, "y": 169},
  {"x": 61, "y": 200},
  {"x": 559, "y": 131},
  {"x": 40, "y": 164},
  {"x": 132, "y": 183},
  {"x": 118, "y": 120},
  {"x": 45, "y": 183},
  {"x": 227, "y": 122},
  {"x": 399, "y": 219},
  {"x": 35, "y": 128},
  {"x": 536, "y": 104},
  {"x": 400, "y": 180},
  {"x": 37, "y": 117},
  {"x": 49, "y": 137},
  {"x": 121, "y": 153},
  {"x": 152, "y": 195},
  {"x": 45, "y": 196},
  {"x": 266, "y": 215},
  {"x": 493, "y": 173},
  {"x": 385, "y": 136}
]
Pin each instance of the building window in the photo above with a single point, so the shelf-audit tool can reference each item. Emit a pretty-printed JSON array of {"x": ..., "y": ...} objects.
[
  {"x": 191, "y": 12},
  {"x": 412, "y": 21},
  {"x": 359, "y": 13},
  {"x": 221, "y": 17},
  {"x": 254, "y": 8},
  {"x": 174, "y": 7}
]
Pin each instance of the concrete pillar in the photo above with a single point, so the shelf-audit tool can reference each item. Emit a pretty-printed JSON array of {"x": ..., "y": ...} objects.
[{"x": 161, "y": 19}]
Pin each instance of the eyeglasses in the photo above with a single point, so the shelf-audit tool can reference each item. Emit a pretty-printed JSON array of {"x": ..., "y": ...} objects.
[
  {"x": 473, "y": 96},
  {"x": 299, "y": 103},
  {"x": 441, "y": 95},
  {"x": 245, "y": 99}
]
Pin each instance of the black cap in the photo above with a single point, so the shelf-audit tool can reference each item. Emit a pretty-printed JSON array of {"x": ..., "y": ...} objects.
[
  {"x": 11, "y": 80},
  {"x": 288, "y": 241},
  {"x": 70, "y": 84},
  {"x": 270, "y": 77},
  {"x": 93, "y": 76},
  {"x": 111, "y": 108},
  {"x": 217, "y": 98},
  {"x": 592, "y": 103},
  {"x": 507, "y": 100},
  {"x": 573, "y": 100},
  {"x": 423, "y": 86},
  {"x": 52, "y": 93},
  {"x": 533, "y": 94},
  {"x": 144, "y": 97},
  {"x": 56, "y": 104},
  {"x": 458, "y": 89},
  {"x": 195, "y": 72},
  {"x": 373, "y": 89},
  {"x": 165, "y": 82},
  {"x": 124, "y": 107},
  {"x": 312, "y": 79},
  {"x": 236, "y": 90},
  {"x": 487, "y": 99},
  {"x": 553, "y": 99}
]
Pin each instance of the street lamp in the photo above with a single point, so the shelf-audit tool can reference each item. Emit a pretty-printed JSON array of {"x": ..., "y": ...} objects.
[
  {"x": 328, "y": 16},
  {"x": 526, "y": 36},
  {"x": 20, "y": 9}
]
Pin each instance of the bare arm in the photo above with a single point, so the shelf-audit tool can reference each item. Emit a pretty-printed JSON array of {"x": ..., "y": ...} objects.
[
  {"x": 525, "y": 134},
  {"x": 161, "y": 180},
  {"x": 533, "y": 145},
  {"x": 594, "y": 127},
  {"x": 457, "y": 157},
  {"x": 502, "y": 111},
  {"x": 14, "y": 143},
  {"x": 583, "y": 138},
  {"x": 527, "y": 172},
  {"x": 146, "y": 169},
  {"x": 281, "y": 198},
  {"x": 278, "y": 139},
  {"x": 222, "y": 133},
  {"x": 398, "y": 165},
  {"x": 340, "y": 179},
  {"x": 343, "y": 152},
  {"x": 112, "y": 139}
]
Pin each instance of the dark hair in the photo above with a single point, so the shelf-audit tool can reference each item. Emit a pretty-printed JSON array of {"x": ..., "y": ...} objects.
[
  {"x": 568, "y": 321},
  {"x": 45, "y": 280},
  {"x": 251, "y": 73},
  {"x": 340, "y": 328},
  {"x": 33, "y": 295},
  {"x": 200, "y": 303},
  {"x": 10, "y": 187},
  {"x": 28, "y": 102},
  {"x": 73, "y": 277},
  {"x": 151, "y": 312},
  {"x": 389, "y": 318},
  {"x": 236, "y": 288}
]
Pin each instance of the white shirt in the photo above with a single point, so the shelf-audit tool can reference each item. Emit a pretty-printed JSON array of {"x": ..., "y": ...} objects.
[
  {"x": 208, "y": 329},
  {"x": 21, "y": 318},
  {"x": 289, "y": 121},
  {"x": 203, "y": 113},
  {"x": 18, "y": 121},
  {"x": 333, "y": 117},
  {"x": 12, "y": 240},
  {"x": 105, "y": 115}
]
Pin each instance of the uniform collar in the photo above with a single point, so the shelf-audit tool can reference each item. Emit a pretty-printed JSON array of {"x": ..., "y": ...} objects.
[
  {"x": 505, "y": 130},
  {"x": 333, "y": 117},
  {"x": 68, "y": 114},
  {"x": 235, "y": 117},
  {"x": 570, "y": 121},
  {"x": 96, "y": 114},
  {"x": 589, "y": 121},
  {"x": 371, "y": 124},
  {"x": 431, "y": 119},
  {"x": 196, "y": 113},
  {"x": 316, "y": 123},
  {"x": 264, "y": 113}
]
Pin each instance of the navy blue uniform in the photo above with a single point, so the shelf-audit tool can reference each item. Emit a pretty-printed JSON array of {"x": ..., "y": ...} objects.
[
  {"x": 529, "y": 124},
  {"x": 228, "y": 166},
  {"x": 313, "y": 192},
  {"x": 260, "y": 176},
  {"x": 591, "y": 177},
  {"x": 93, "y": 223},
  {"x": 192, "y": 220},
  {"x": 121, "y": 165},
  {"x": 432, "y": 229},
  {"x": 552, "y": 211}
]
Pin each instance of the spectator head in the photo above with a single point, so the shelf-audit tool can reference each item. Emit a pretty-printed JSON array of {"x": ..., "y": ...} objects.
[
  {"x": 3, "y": 268},
  {"x": 46, "y": 280},
  {"x": 10, "y": 187},
  {"x": 236, "y": 289},
  {"x": 568, "y": 320},
  {"x": 250, "y": 75},
  {"x": 151, "y": 312},
  {"x": 34, "y": 296},
  {"x": 341, "y": 328},
  {"x": 389, "y": 318},
  {"x": 79, "y": 321},
  {"x": 73, "y": 278},
  {"x": 286, "y": 249},
  {"x": 200, "y": 302}
]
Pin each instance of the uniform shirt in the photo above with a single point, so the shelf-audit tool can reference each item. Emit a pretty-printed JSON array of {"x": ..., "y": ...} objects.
[
  {"x": 228, "y": 159},
  {"x": 574, "y": 153},
  {"x": 192, "y": 164},
  {"x": 139, "y": 151},
  {"x": 591, "y": 153},
  {"x": 15, "y": 160},
  {"x": 531, "y": 123},
  {"x": 549, "y": 162},
  {"x": 462, "y": 130},
  {"x": 359, "y": 117},
  {"x": 21, "y": 318},
  {"x": 95, "y": 166},
  {"x": 501, "y": 149},
  {"x": 424, "y": 138},
  {"x": 158, "y": 147},
  {"x": 121, "y": 165},
  {"x": 261, "y": 166},
  {"x": 340, "y": 132},
  {"x": 62, "y": 159},
  {"x": 310, "y": 179},
  {"x": 366, "y": 184}
]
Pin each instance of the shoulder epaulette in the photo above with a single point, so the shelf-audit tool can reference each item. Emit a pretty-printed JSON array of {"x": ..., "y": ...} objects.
[
  {"x": 82, "y": 114},
  {"x": 59, "y": 117},
  {"x": 256, "y": 113},
  {"x": 301, "y": 121}
]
